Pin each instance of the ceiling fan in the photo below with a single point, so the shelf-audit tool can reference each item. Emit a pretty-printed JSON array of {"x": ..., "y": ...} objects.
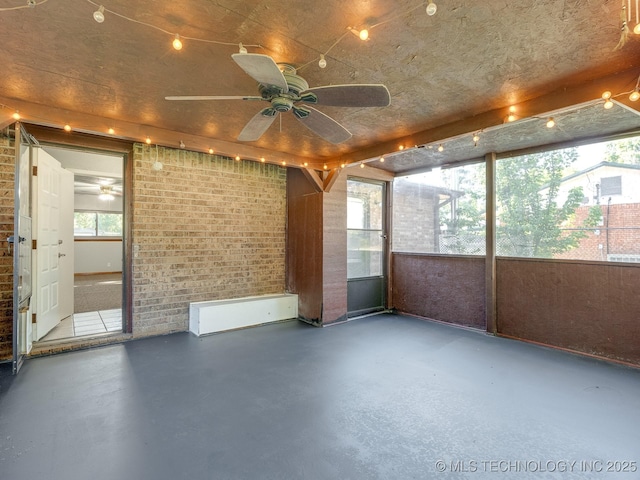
[{"x": 286, "y": 91}]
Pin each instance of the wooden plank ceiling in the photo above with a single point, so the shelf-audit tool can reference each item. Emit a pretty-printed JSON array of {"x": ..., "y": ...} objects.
[{"x": 450, "y": 75}]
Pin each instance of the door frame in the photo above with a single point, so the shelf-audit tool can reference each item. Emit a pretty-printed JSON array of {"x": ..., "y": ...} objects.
[
  {"x": 20, "y": 305},
  {"x": 385, "y": 261},
  {"x": 80, "y": 141}
]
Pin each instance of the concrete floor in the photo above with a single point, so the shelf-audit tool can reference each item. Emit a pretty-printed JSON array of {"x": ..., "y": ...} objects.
[{"x": 383, "y": 397}]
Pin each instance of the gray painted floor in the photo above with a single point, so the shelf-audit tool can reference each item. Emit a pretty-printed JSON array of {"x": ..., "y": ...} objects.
[{"x": 383, "y": 397}]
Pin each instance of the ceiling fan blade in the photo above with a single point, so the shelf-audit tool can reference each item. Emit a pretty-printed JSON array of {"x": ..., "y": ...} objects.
[
  {"x": 212, "y": 97},
  {"x": 262, "y": 68},
  {"x": 348, "y": 96},
  {"x": 321, "y": 124},
  {"x": 258, "y": 125}
]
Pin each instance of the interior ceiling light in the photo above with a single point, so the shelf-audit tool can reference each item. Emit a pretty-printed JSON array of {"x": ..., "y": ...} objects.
[
  {"x": 177, "y": 43},
  {"x": 106, "y": 192},
  {"x": 98, "y": 15},
  {"x": 323, "y": 62},
  {"x": 241, "y": 48},
  {"x": 432, "y": 8},
  {"x": 551, "y": 122}
]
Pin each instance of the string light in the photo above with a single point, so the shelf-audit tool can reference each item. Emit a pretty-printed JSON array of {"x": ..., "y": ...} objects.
[
  {"x": 67, "y": 128},
  {"x": 325, "y": 166},
  {"x": 440, "y": 148},
  {"x": 242, "y": 48},
  {"x": 362, "y": 165},
  {"x": 322, "y": 63},
  {"x": 342, "y": 165},
  {"x": 262, "y": 159},
  {"x": 30, "y": 4},
  {"x": 381, "y": 159},
  {"x": 182, "y": 145},
  {"x": 361, "y": 34},
  {"x": 177, "y": 43},
  {"x": 476, "y": 139},
  {"x": 283, "y": 163},
  {"x": 551, "y": 122},
  {"x": 401, "y": 147},
  {"x": 211, "y": 151},
  {"x": 237, "y": 158},
  {"x": 432, "y": 8},
  {"x": 148, "y": 141},
  {"x": 111, "y": 131},
  {"x": 16, "y": 115},
  {"x": 98, "y": 15},
  {"x": 635, "y": 95}
]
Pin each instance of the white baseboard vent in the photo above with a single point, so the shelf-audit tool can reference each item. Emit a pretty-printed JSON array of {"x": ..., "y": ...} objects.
[{"x": 222, "y": 315}]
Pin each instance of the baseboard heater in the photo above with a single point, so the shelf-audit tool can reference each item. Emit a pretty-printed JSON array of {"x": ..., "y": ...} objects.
[{"x": 222, "y": 315}]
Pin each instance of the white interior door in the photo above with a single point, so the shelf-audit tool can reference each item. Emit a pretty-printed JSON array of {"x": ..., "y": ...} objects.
[
  {"x": 65, "y": 253},
  {"x": 47, "y": 291}
]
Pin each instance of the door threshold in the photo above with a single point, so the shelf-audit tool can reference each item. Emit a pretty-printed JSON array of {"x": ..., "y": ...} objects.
[
  {"x": 77, "y": 343},
  {"x": 370, "y": 314}
]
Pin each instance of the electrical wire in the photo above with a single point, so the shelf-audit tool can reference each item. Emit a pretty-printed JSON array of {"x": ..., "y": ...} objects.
[{"x": 6, "y": 9}]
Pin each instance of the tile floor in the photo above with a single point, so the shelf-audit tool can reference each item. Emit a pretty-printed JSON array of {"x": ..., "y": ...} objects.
[{"x": 89, "y": 323}]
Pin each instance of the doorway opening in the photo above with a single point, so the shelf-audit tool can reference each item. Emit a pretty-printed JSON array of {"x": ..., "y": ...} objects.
[
  {"x": 366, "y": 246},
  {"x": 88, "y": 298}
]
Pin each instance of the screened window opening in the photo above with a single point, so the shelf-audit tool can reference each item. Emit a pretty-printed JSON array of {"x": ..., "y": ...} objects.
[
  {"x": 579, "y": 203},
  {"x": 442, "y": 211}
]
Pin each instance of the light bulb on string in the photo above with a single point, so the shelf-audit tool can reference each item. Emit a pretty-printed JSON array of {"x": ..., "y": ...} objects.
[
  {"x": 440, "y": 148},
  {"x": 242, "y": 48},
  {"x": 16, "y": 115},
  {"x": 67, "y": 128},
  {"x": 636, "y": 29},
  {"x": 608, "y": 104},
  {"x": 148, "y": 141},
  {"x": 211, "y": 151},
  {"x": 635, "y": 95},
  {"x": 177, "y": 43},
  {"x": 98, "y": 15},
  {"x": 111, "y": 131},
  {"x": 323, "y": 62},
  {"x": 364, "y": 34},
  {"x": 432, "y": 8},
  {"x": 551, "y": 123}
]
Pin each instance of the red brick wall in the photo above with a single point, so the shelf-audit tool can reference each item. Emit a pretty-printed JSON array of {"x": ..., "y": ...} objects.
[
  {"x": 7, "y": 175},
  {"x": 621, "y": 235}
]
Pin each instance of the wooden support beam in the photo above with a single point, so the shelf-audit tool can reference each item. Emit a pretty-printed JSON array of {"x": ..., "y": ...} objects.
[
  {"x": 331, "y": 178},
  {"x": 564, "y": 97},
  {"x": 34, "y": 114},
  {"x": 490, "y": 253},
  {"x": 314, "y": 178}
]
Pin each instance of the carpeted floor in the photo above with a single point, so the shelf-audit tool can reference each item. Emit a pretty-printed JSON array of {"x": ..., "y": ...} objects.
[{"x": 97, "y": 292}]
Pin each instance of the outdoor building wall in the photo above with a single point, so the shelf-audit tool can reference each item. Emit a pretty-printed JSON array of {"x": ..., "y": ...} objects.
[
  {"x": 446, "y": 288},
  {"x": 617, "y": 234},
  {"x": 204, "y": 228},
  {"x": 585, "y": 307},
  {"x": 415, "y": 222},
  {"x": 7, "y": 192}
]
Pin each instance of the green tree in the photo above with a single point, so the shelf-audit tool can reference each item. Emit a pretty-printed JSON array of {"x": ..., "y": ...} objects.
[
  {"x": 623, "y": 151},
  {"x": 530, "y": 217}
]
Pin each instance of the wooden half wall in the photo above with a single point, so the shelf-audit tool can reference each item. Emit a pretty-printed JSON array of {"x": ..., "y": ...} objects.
[
  {"x": 588, "y": 307},
  {"x": 441, "y": 287}
]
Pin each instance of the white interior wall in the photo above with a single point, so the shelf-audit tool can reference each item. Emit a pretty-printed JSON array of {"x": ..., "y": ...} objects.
[{"x": 96, "y": 256}]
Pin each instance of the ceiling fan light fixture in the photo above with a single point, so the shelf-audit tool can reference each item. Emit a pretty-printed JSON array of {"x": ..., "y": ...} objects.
[
  {"x": 177, "y": 43},
  {"x": 432, "y": 8},
  {"x": 106, "y": 193},
  {"x": 98, "y": 15}
]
